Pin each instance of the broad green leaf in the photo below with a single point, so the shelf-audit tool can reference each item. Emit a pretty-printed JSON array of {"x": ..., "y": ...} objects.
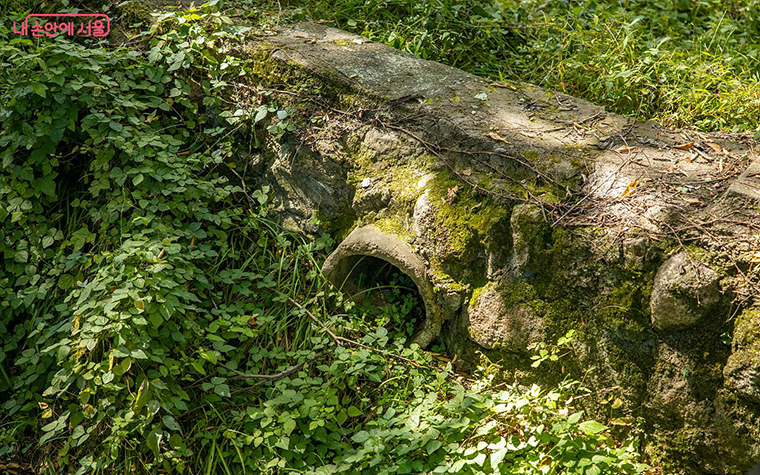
[
  {"x": 170, "y": 422},
  {"x": 592, "y": 427}
]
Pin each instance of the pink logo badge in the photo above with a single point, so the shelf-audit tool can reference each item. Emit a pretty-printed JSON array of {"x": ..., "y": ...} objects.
[{"x": 69, "y": 24}]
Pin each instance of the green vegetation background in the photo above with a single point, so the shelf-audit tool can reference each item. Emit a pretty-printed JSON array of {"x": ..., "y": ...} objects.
[
  {"x": 145, "y": 294},
  {"x": 685, "y": 63}
]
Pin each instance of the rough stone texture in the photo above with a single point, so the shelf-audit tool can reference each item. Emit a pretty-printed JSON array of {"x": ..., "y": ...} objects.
[
  {"x": 528, "y": 224},
  {"x": 493, "y": 324},
  {"x": 685, "y": 290},
  {"x": 742, "y": 370},
  {"x": 551, "y": 212},
  {"x": 312, "y": 186}
]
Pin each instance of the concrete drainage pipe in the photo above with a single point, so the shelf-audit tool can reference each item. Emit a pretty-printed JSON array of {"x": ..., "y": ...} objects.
[{"x": 372, "y": 242}]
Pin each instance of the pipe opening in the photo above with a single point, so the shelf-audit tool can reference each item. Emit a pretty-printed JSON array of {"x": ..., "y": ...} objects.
[
  {"x": 385, "y": 294},
  {"x": 379, "y": 256}
]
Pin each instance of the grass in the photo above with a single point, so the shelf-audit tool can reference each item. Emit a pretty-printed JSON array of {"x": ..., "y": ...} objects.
[
  {"x": 196, "y": 422},
  {"x": 682, "y": 63}
]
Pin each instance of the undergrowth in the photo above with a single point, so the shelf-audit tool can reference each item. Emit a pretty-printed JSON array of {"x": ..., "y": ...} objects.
[
  {"x": 156, "y": 318},
  {"x": 689, "y": 63}
]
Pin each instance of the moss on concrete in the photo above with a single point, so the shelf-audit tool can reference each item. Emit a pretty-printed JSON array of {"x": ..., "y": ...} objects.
[
  {"x": 469, "y": 220},
  {"x": 747, "y": 328}
]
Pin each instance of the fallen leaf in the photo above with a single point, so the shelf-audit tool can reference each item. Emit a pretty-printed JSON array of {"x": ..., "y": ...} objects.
[
  {"x": 693, "y": 201},
  {"x": 451, "y": 195},
  {"x": 630, "y": 189},
  {"x": 625, "y": 149},
  {"x": 506, "y": 86},
  {"x": 685, "y": 146},
  {"x": 497, "y": 137},
  {"x": 467, "y": 172},
  {"x": 716, "y": 147}
]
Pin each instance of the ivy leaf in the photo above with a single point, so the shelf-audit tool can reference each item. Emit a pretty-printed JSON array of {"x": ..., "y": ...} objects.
[
  {"x": 171, "y": 423},
  {"x": 497, "y": 457},
  {"x": 289, "y": 425},
  {"x": 153, "y": 440},
  {"x": 21, "y": 256},
  {"x": 573, "y": 419},
  {"x": 342, "y": 417},
  {"x": 432, "y": 446},
  {"x": 260, "y": 114},
  {"x": 209, "y": 356},
  {"x": 39, "y": 89},
  {"x": 222, "y": 390},
  {"x": 592, "y": 427},
  {"x": 360, "y": 437},
  {"x": 45, "y": 185},
  {"x": 593, "y": 470}
]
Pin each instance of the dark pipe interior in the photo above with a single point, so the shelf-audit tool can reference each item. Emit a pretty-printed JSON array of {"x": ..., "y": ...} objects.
[{"x": 385, "y": 294}]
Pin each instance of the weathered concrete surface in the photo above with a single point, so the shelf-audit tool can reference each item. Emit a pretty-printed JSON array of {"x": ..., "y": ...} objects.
[
  {"x": 494, "y": 324},
  {"x": 685, "y": 290},
  {"x": 742, "y": 370},
  {"x": 521, "y": 213}
]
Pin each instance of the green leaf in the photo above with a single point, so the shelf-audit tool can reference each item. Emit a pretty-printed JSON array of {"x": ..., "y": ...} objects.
[
  {"x": 137, "y": 179},
  {"x": 497, "y": 457},
  {"x": 432, "y": 446},
  {"x": 198, "y": 366},
  {"x": 260, "y": 114},
  {"x": 209, "y": 356},
  {"x": 39, "y": 89},
  {"x": 574, "y": 418},
  {"x": 144, "y": 395},
  {"x": 354, "y": 411},
  {"x": 155, "y": 319},
  {"x": 593, "y": 470},
  {"x": 342, "y": 417},
  {"x": 171, "y": 423},
  {"x": 592, "y": 427},
  {"x": 21, "y": 256},
  {"x": 289, "y": 425},
  {"x": 222, "y": 390},
  {"x": 153, "y": 440},
  {"x": 45, "y": 185},
  {"x": 360, "y": 437}
]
